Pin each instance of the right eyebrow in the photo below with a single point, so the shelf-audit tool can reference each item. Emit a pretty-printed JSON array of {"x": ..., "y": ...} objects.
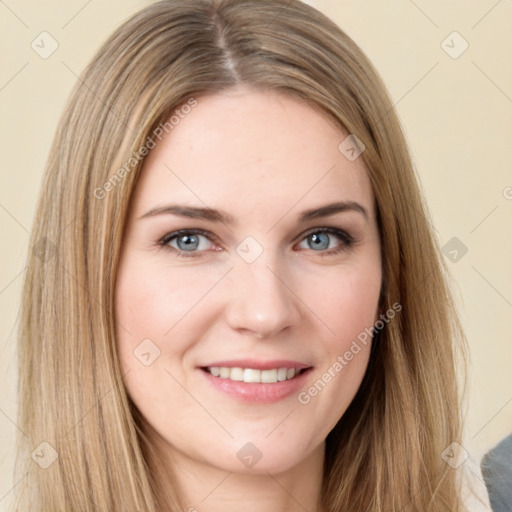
[{"x": 192, "y": 212}]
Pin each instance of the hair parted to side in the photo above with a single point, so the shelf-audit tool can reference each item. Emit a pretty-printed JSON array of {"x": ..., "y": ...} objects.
[{"x": 385, "y": 452}]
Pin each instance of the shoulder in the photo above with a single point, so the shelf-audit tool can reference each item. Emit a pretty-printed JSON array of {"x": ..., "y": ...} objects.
[
  {"x": 474, "y": 491},
  {"x": 497, "y": 472}
]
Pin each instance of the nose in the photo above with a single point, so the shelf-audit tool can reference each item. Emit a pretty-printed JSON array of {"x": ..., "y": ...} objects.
[{"x": 261, "y": 301}]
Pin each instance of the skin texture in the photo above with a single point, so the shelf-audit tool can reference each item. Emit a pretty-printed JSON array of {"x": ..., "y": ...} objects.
[{"x": 262, "y": 157}]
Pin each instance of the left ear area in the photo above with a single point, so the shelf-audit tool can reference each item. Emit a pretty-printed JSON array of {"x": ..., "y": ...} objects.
[{"x": 382, "y": 298}]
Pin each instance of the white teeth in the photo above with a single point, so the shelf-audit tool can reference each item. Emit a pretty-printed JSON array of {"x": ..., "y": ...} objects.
[
  {"x": 281, "y": 374},
  {"x": 290, "y": 373},
  {"x": 268, "y": 376},
  {"x": 237, "y": 374},
  {"x": 253, "y": 375}
]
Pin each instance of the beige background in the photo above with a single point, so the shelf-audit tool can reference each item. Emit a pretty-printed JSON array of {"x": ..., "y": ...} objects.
[{"x": 457, "y": 113}]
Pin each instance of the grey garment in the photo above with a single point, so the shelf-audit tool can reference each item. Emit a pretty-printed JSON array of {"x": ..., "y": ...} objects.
[{"x": 497, "y": 472}]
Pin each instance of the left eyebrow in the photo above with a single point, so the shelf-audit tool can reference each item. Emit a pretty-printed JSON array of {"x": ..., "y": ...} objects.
[{"x": 333, "y": 208}]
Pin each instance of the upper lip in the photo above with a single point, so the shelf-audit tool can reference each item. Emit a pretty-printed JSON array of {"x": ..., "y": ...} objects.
[{"x": 258, "y": 365}]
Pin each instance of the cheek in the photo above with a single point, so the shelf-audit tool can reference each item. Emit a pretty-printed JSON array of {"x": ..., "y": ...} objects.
[
  {"x": 152, "y": 300},
  {"x": 347, "y": 306},
  {"x": 346, "y": 303},
  {"x": 154, "y": 303}
]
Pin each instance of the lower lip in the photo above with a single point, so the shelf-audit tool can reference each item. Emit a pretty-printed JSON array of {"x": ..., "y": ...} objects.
[{"x": 254, "y": 392}]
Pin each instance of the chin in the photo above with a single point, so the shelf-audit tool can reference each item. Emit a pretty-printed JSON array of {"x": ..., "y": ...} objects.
[{"x": 261, "y": 457}]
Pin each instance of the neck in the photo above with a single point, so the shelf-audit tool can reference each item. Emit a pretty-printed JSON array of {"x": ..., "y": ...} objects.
[{"x": 204, "y": 488}]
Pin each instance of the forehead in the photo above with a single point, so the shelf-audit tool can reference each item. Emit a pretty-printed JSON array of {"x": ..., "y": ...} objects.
[{"x": 249, "y": 150}]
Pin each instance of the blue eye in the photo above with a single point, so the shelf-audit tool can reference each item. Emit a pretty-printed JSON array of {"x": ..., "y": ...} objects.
[
  {"x": 193, "y": 242},
  {"x": 319, "y": 241},
  {"x": 324, "y": 240},
  {"x": 187, "y": 241}
]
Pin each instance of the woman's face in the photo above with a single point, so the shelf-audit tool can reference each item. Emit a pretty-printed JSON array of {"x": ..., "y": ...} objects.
[{"x": 231, "y": 260}]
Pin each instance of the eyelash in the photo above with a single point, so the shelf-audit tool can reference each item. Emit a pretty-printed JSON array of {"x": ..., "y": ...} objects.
[{"x": 346, "y": 241}]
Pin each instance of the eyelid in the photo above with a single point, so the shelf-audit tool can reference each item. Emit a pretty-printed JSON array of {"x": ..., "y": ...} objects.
[
  {"x": 342, "y": 233},
  {"x": 196, "y": 231}
]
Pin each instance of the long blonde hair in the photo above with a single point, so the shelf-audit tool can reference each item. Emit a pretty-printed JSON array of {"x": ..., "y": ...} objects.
[{"x": 385, "y": 452}]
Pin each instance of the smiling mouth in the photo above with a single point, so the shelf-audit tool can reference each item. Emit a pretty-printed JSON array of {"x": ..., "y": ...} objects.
[{"x": 251, "y": 375}]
